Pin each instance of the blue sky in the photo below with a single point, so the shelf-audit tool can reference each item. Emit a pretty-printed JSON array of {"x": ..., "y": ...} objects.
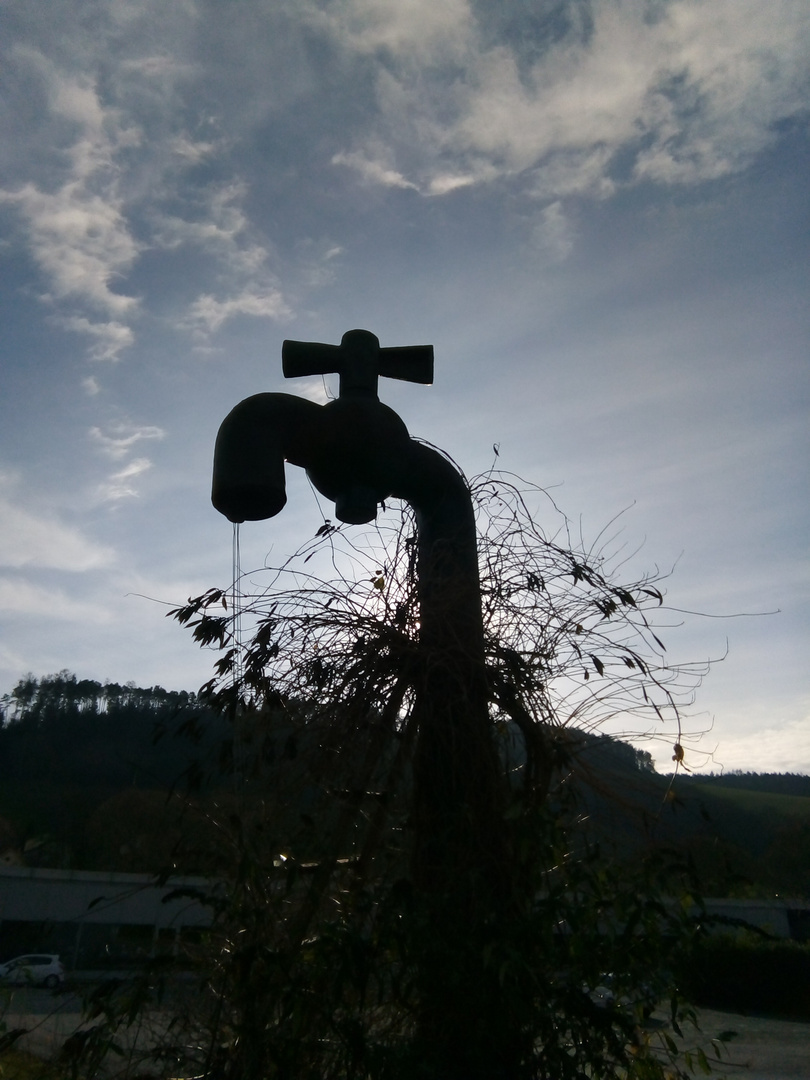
[{"x": 595, "y": 210}]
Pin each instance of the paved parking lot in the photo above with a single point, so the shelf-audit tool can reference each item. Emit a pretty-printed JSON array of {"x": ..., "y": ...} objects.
[{"x": 763, "y": 1050}]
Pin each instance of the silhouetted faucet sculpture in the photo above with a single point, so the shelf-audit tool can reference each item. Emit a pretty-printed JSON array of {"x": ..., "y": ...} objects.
[{"x": 357, "y": 452}]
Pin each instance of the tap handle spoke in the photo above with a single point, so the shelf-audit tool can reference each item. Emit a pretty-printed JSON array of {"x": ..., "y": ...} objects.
[
  {"x": 299, "y": 358},
  {"x": 410, "y": 363},
  {"x": 359, "y": 361}
]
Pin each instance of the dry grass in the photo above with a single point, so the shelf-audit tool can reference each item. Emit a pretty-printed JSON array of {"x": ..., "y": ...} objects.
[{"x": 18, "y": 1065}]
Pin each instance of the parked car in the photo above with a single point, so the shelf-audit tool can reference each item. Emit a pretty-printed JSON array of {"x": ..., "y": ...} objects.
[
  {"x": 33, "y": 969},
  {"x": 605, "y": 996},
  {"x": 602, "y": 995}
]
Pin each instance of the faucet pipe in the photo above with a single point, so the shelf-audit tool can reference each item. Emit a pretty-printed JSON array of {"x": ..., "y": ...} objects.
[{"x": 359, "y": 453}]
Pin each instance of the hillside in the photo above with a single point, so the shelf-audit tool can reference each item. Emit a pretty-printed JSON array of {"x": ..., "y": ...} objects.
[
  {"x": 745, "y": 838},
  {"x": 81, "y": 761},
  {"x": 751, "y": 843},
  {"x": 86, "y": 772},
  {"x": 773, "y": 783}
]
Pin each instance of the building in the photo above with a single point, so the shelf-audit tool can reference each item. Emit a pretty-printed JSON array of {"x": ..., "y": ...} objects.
[{"x": 96, "y": 920}]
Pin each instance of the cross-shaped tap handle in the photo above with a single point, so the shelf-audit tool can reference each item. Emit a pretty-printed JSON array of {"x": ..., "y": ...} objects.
[{"x": 359, "y": 361}]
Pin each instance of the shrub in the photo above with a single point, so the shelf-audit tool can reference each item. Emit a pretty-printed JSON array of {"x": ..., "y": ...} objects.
[{"x": 749, "y": 974}]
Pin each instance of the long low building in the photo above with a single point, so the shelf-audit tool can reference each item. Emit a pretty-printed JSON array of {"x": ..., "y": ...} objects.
[
  {"x": 99, "y": 920},
  {"x": 94, "y": 919},
  {"x": 777, "y": 918}
]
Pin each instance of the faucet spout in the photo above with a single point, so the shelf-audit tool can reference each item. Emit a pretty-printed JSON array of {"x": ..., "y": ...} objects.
[
  {"x": 253, "y": 442},
  {"x": 350, "y": 448}
]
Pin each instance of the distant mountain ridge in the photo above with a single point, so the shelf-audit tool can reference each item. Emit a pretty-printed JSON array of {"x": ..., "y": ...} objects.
[
  {"x": 772, "y": 783},
  {"x": 85, "y": 768}
]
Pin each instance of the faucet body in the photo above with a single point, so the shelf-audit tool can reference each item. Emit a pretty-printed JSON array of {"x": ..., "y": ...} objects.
[
  {"x": 348, "y": 448},
  {"x": 358, "y": 453}
]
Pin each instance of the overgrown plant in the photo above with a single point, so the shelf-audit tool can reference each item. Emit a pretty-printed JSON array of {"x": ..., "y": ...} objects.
[
  {"x": 568, "y": 645},
  {"x": 320, "y": 957}
]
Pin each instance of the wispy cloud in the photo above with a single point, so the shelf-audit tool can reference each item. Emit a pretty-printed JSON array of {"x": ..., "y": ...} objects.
[
  {"x": 193, "y": 151},
  {"x": 111, "y": 337},
  {"x": 120, "y": 438},
  {"x": 553, "y": 235},
  {"x": 81, "y": 242},
  {"x": 318, "y": 262},
  {"x": 422, "y": 29},
  {"x": 207, "y": 314},
  {"x": 117, "y": 442},
  {"x": 314, "y": 389},
  {"x": 76, "y": 227},
  {"x": 120, "y": 485},
  {"x": 442, "y": 184},
  {"x": 31, "y": 539},
  {"x": 373, "y": 170},
  {"x": 686, "y": 91},
  {"x": 780, "y": 747},
  {"x": 219, "y": 226},
  {"x": 22, "y": 597}
]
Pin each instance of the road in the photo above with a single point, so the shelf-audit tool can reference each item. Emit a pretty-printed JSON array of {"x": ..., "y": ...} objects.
[
  {"x": 49, "y": 1018},
  {"x": 763, "y": 1049}
]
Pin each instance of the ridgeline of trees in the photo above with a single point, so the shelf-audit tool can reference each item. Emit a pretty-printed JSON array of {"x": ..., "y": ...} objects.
[
  {"x": 766, "y": 783},
  {"x": 87, "y": 768},
  {"x": 119, "y": 777},
  {"x": 67, "y": 730}
]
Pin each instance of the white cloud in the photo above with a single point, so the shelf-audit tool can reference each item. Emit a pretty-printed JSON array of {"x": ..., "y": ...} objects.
[
  {"x": 424, "y": 29},
  {"x": 116, "y": 443},
  {"x": 552, "y": 232},
  {"x": 778, "y": 747},
  {"x": 120, "y": 484},
  {"x": 159, "y": 67},
  {"x": 111, "y": 337},
  {"x": 574, "y": 172},
  {"x": 29, "y": 539},
  {"x": 745, "y": 67},
  {"x": 76, "y": 227},
  {"x": 120, "y": 438},
  {"x": 441, "y": 185},
  {"x": 693, "y": 89},
  {"x": 191, "y": 151},
  {"x": 207, "y": 314},
  {"x": 21, "y": 597},
  {"x": 375, "y": 171},
  {"x": 221, "y": 228},
  {"x": 318, "y": 262},
  {"x": 314, "y": 390},
  {"x": 80, "y": 240}
]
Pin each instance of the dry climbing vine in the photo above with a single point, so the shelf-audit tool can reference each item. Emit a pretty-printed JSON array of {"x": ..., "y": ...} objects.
[{"x": 322, "y": 931}]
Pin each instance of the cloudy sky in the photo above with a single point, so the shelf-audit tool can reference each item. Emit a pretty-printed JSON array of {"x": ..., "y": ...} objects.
[{"x": 595, "y": 210}]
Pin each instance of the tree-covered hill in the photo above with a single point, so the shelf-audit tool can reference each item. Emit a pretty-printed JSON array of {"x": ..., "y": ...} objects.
[
  {"x": 86, "y": 771},
  {"x": 748, "y": 841},
  {"x": 769, "y": 783},
  {"x": 65, "y": 730},
  {"x": 749, "y": 836},
  {"x": 70, "y": 747}
]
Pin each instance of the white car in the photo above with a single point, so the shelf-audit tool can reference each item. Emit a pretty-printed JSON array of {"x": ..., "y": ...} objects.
[{"x": 33, "y": 969}]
